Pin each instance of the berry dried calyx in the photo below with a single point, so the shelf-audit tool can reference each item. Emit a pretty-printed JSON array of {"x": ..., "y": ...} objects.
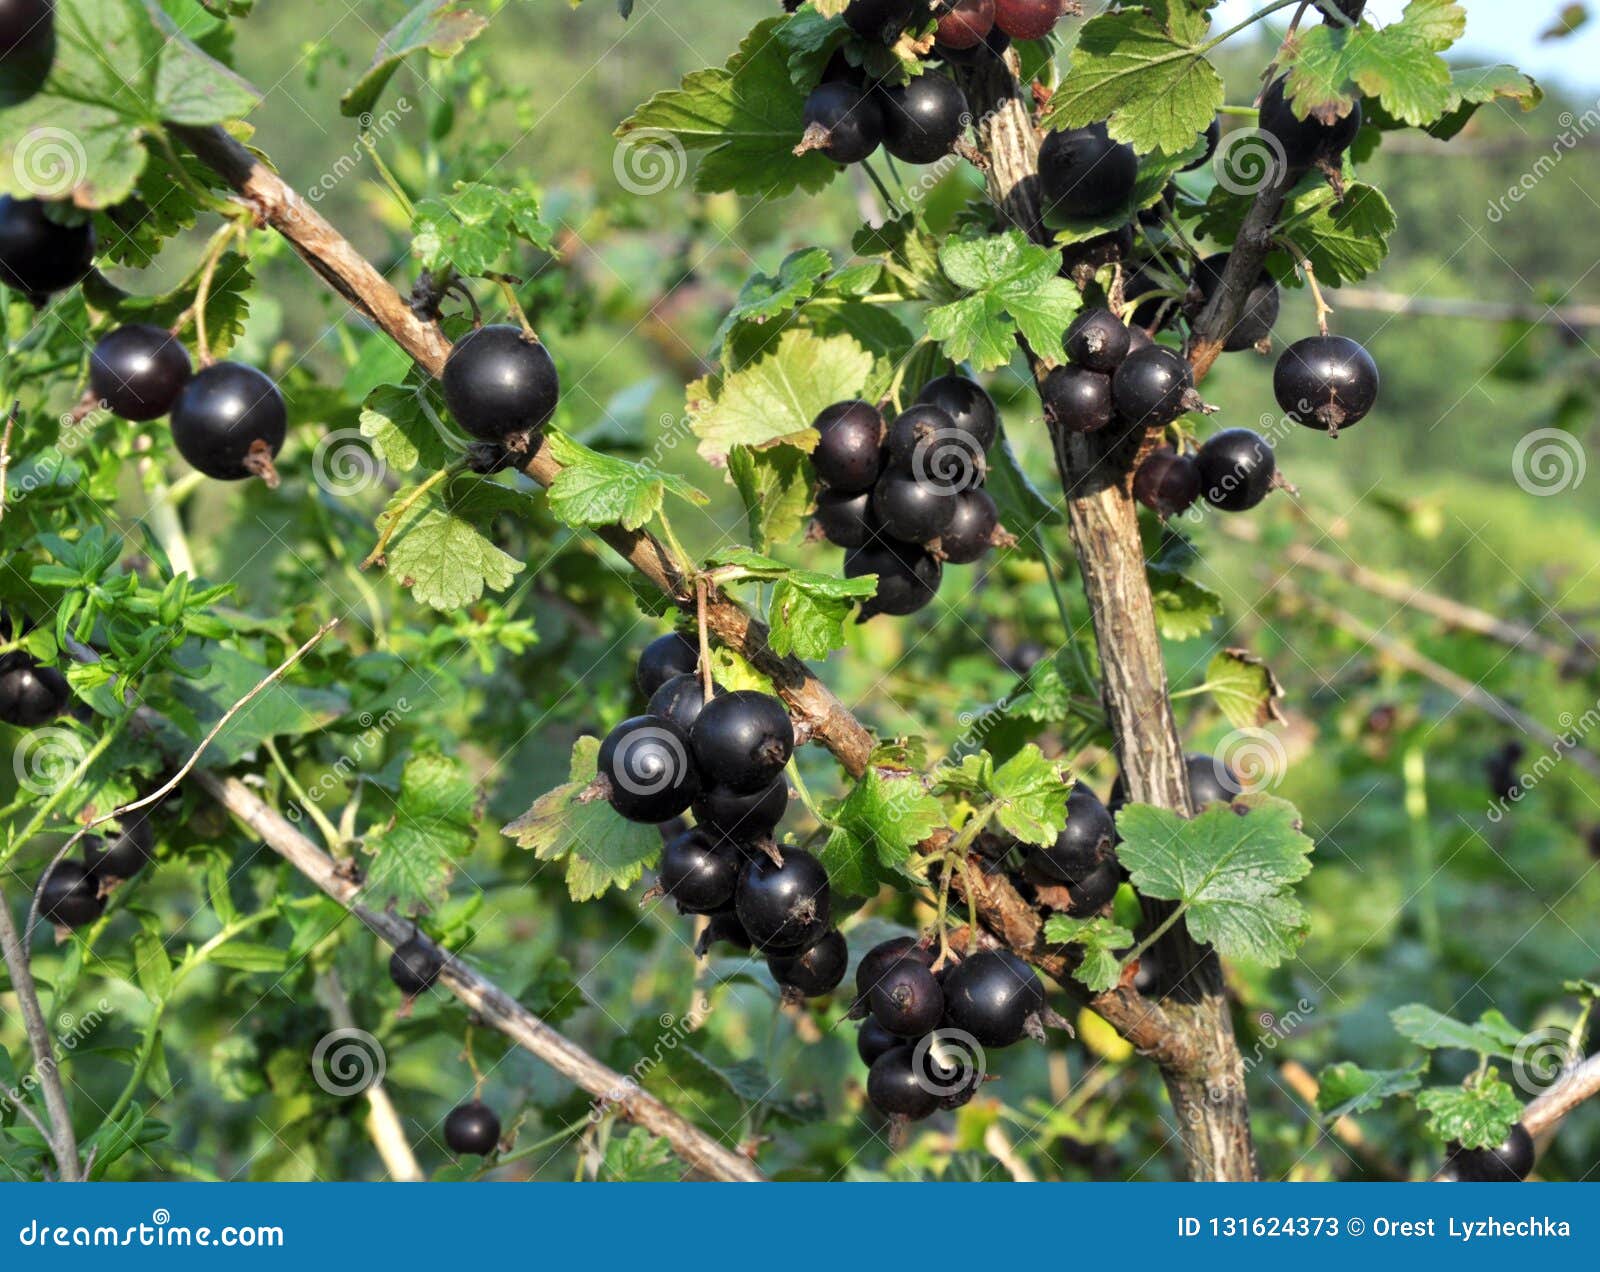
[
  {"x": 698, "y": 872},
  {"x": 926, "y": 444},
  {"x": 1154, "y": 386},
  {"x": 473, "y": 1128},
  {"x": 923, "y": 120},
  {"x": 1097, "y": 340},
  {"x": 842, "y": 120},
  {"x": 39, "y": 256},
  {"x": 783, "y": 908},
  {"x": 1237, "y": 469},
  {"x": 414, "y": 967},
  {"x": 742, "y": 740},
  {"x": 230, "y": 422},
  {"x": 138, "y": 370},
  {"x": 500, "y": 384},
  {"x": 1083, "y": 174},
  {"x": 1167, "y": 481},
  {"x": 1326, "y": 382},
  {"x": 881, "y": 957},
  {"x": 906, "y": 999},
  {"x": 644, "y": 769},
  {"x": 69, "y": 895},
  {"x": 815, "y": 971}
]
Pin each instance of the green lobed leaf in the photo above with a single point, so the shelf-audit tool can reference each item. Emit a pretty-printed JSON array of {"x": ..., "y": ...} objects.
[
  {"x": 775, "y": 486},
  {"x": 406, "y": 425},
  {"x": 1013, "y": 286},
  {"x": 1244, "y": 688},
  {"x": 1478, "y": 1115},
  {"x": 1344, "y": 1090},
  {"x": 439, "y": 28},
  {"x": 1101, "y": 939},
  {"x": 1030, "y": 795},
  {"x": 430, "y": 829},
  {"x": 441, "y": 548},
  {"x": 476, "y": 227},
  {"x": 223, "y": 676},
  {"x": 875, "y": 827},
  {"x": 1184, "y": 609},
  {"x": 596, "y": 490},
  {"x": 767, "y": 296},
  {"x": 1492, "y": 1035},
  {"x": 1399, "y": 64}
]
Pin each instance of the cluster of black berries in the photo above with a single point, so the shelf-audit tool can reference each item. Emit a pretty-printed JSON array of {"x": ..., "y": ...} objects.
[
  {"x": 73, "y": 893},
  {"x": 903, "y": 499},
  {"x": 925, "y": 1032}
]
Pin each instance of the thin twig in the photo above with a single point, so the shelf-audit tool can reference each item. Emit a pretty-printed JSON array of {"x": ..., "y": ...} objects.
[
  {"x": 1546, "y": 1111},
  {"x": 383, "y": 1121},
  {"x": 5, "y": 452},
  {"x": 63, "y": 1142}
]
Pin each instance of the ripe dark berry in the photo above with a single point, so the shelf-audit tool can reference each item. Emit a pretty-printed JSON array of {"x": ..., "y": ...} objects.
[
  {"x": 970, "y": 533},
  {"x": 846, "y": 517},
  {"x": 910, "y": 510},
  {"x": 697, "y": 872},
  {"x": 874, "y": 1040},
  {"x": 472, "y": 1128},
  {"x": 908, "y": 577},
  {"x": 991, "y": 995},
  {"x": 1326, "y": 382},
  {"x": 645, "y": 761},
  {"x": 1097, "y": 340},
  {"x": 1153, "y": 387},
  {"x": 1236, "y": 469},
  {"x": 878, "y": 19},
  {"x": 121, "y": 855},
  {"x": 906, "y": 999},
  {"x": 964, "y": 23},
  {"x": 1076, "y": 399},
  {"x": 923, "y": 119},
  {"x": 896, "y": 1089},
  {"x": 27, "y": 24},
  {"x": 881, "y": 957},
  {"x": 743, "y": 816},
  {"x": 1260, "y": 311},
  {"x": 815, "y": 971},
  {"x": 1028, "y": 19},
  {"x": 1351, "y": 9},
  {"x": 138, "y": 371},
  {"x": 926, "y": 445},
  {"x": 1084, "y": 174},
  {"x": 1092, "y": 892},
  {"x": 848, "y": 455},
  {"x": 69, "y": 895},
  {"x": 724, "y": 927},
  {"x": 498, "y": 381},
  {"x": 843, "y": 121},
  {"x": 969, "y": 407},
  {"x": 1305, "y": 141},
  {"x": 1510, "y": 1163},
  {"x": 680, "y": 700},
  {"x": 743, "y": 739},
  {"x": 784, "y": 908},
  {"x": 674, "y": 654},
  {"x": 1083, "y": 844},
  {"x": 1210, "y": 781},
  {"x": 37, "y": 255},
  {"x": 415, "y": 966},
  {"x": 31, "y": 693},
  {"x": 229, "y": 422},
  {"x": 1167, "y": 482},
  {"x": 1212, "y": 136}
]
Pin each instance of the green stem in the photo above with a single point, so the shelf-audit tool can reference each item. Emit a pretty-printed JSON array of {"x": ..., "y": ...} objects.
[
  {"x": 1161, "y": 930},
  {"x": 883, "y": 190},
  {"x": 802, "y": 790},
  {"x": 71, "y": 783},
  {"x": 1265, "y": 12},
  {"x": 331, "y": 837},
  {"x": 389, "y": 180},
  {"x": 685, "y": 561},
  {"x": 391, "y": 524},
  {"x": 1414, "y": 766}
]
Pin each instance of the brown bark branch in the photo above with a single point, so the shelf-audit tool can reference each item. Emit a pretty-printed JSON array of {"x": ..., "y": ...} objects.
[
  {"x": 383, "y": 1119},
  {"x": 1547, "y": 1110},
  {"x": 63, "y": 1141}
]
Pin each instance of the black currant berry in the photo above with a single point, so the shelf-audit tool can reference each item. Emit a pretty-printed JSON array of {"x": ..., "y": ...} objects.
[
  {"x": 69, "y": 896},
  {"x": 698, "y": 872},
  {"x": 923, "y": 119},
  {"x": 1167, "y": 482},
  {"x": 229, "y": 422},
  {"x": 848, "y": 455},
  {"x": 1076, "y": 399},
  {"x": 1351, "y": 9},
  {"x": 498, "y": 381},
  {"x": 878, "y": 19},
  {"x": 991, "y": 995},
  {"x": 645, "y": 763},
  {"x": 881, "y": 957},
  {"x": 1028, "y": 19},
  {"x": 896, "y": 1089},
  {"x": 680, "y": 700},
  {"x": 1236, "y": 469},
  {"x": 122, "y": 855},
  {"x": 1084, "y": 842},
  {"x": 908, "y": 577},
  {"x": 1097, "y": 340},
  {"x": 743, "y": 817},
  {"x": 874, "y": 1040},
  {"x": 743, "y": 739},
  {"x": 906, "y": 999},
  {"x": 783, "y": 908},
  {"x": 37, "y": 255},
  {"x": 1260, "y": 311},
  {"x": 472, "y": 1128},
  {"x": 964, "y": 23},
  {"x": 415, "y": 966},
  {"x": 1326, "y": 382},
  {"x": 1153, "y": 387},
  {"x": 138, "y": 371},
  {"x": 1305, "y": 141},
  {"x": 971, "y": 531},
  {"x": 1092, "y": 892},
  {"x": 674, "y": 654},
  {"x": 1210, "y": 781},
  {"x": 1084, "y": 174},
  {"x": 969, "y": 407},
  {"x": 1511, "y": 1163},
  {"x": 844, "y": 121},
  {"x": 724, "y": 927},
  {"x": 31, "y": 693},
  {"x": 815, "y": 971},
  {"x": 1212, "y": 136},
  {"x": 845, "y": 518},
  {"x": 30, "y": 24},
  {"x": 910, "y": 510}
]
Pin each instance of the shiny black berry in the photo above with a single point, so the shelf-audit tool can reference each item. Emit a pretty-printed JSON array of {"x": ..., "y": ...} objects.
[
  {"x": 1210, "y": 781},
  {"x": 1510, "y": 1163},
  {"x": 1254, "y": 323},
  {"x": 926, "y": 443},
  {"x": 784, "y": 908},
  {"x": 1076, "y": 399},
  {"x": 908, "y": 576},
  {"x": 1305, "y": 141},
  {"x": 971, "y": 531},
  {"x": 645, "y": 763},
  {"x": 499, "y": 381},
  {"x": 743, "y": 739},
  {"x": 1326, "y": 382},
  {"x": 874, "y": 1040},
  {"x": 963, "y": 24},
  {"x": 69, "y": 896},
  {"x": 680, "y": 700},
  {"x": 815, "y": 971},
  {"x": 743, "y": 816},
  {"x": 415, "y": 966},
  {"x": 1028, "y": 19},
  {"x": 30, "y": 24},
  {"x": 896, "y": 1089},
  {"x": 31, "y": 693},
  {"x": 1097, "y": 340},
  {"x": 1083, "y": 844},
  {"x": 472, "y": 1128},
  {"x": 912, "y": 510},
  {"x": 1167, "y": 482},
  {"x": 1153, "y": 387},
  {"x": 844, "y": 121},
  {"x": 990, "y": 995},
  {"x": 138, "y": 371},
  {"x": 230, "y": 421},
  {"x": 120, "y": 855},
  {"x": 674, "y": 654},
  {"x": 881, "y": 957},
  {"x": 1084, "y": 174},
  {"x": 723, "y": 928},
  {"x": 39, "y": 256},
  {"x": 968, "y": 405},
  {"x": 698, "y": 872},
  {"x": 923, "y": 119},
  {"x": 1236, "y": 469},
  {"x": 878, "y": 19},
  {"x": 1092, "y": 892},
  {"x": 846, "y": 518},
  {"x": 848, "y": 454},
  {"x": 906, "y": 998},
  {"x": 1212, "y": 136}
]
